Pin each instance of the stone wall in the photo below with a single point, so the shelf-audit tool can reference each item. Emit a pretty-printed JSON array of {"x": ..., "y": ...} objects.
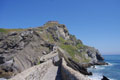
[
  {"x": 39, "y": 71},
  {"x": 70, "y": 74},
  {"x": 34, "y": 73}
]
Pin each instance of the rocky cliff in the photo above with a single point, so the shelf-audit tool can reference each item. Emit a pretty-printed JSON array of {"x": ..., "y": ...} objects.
[{"x": 21, "y": 49}]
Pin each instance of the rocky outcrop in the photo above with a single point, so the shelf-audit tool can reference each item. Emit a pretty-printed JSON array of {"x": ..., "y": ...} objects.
[
  {"x": 58, "y": 31},
  {"x": 104, "y": 78},
  {"x": 24, "y": 49},
  {"x": 21, "y": 50},
  {"x": 94, "y": 54}
]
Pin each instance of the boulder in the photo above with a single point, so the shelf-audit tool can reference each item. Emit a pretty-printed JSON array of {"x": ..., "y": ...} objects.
[{"x": 104, "y": 78}]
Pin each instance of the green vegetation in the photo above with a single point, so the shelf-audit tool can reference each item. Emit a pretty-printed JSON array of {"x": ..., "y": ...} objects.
[
  {"x": 49, "y": 25},
  {"x": 62, "y": 40},
  {"x": 79, "y": 45},
  {"x": 69, "y": 48},
  {"x": 47, "y": 37},
  {"x": 73, "y": 50},
  {"x": 3, "y": 30},
  {"x": 10, "y": 30},
  {"x": 74, "y": 47},
  {"x": 38, "y": 63},
  {"x": 50, "y": 38}
]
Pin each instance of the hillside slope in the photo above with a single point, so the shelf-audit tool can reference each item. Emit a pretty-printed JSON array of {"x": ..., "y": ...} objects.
[{"x": 22, "y": 49}]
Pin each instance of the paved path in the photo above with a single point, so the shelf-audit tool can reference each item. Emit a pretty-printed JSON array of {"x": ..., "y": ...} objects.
[{"x": 53, "y": 73}]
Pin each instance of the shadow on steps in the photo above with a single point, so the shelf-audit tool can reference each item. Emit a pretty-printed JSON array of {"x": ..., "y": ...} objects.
[{"x": 59, "y": 76}]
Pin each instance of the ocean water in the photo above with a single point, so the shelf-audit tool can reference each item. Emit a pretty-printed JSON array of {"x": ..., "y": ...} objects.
[{"x": 112, "y": 71}]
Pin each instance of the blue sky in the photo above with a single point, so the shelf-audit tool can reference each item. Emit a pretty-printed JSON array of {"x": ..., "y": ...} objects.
[{"x": 95, "y": 22}]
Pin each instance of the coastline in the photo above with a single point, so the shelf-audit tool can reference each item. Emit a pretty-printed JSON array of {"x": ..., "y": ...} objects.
[
  {"x": 111, "y": 71},
  {"x": 97, "y": 76}
]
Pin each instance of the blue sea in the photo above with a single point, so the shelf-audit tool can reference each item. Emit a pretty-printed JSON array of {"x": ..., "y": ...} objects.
[{"x": 112, "y": 71}]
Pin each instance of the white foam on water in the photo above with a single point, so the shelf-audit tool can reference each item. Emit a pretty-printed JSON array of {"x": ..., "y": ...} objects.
[
  {"x": 97, "y": 76},
  {"x": 99, "y": 67},
  {"x": 3, "y": 79},
  {"x": 96, "y": 68},
  {"x": 111, "y": 64}
]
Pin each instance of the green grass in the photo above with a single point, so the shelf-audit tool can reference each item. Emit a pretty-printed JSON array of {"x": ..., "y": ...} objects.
[
  {"x": 38, "y": 63},
  {"x": 86, "y": 60},
  {"x": 10, "y": 30},
  {"x": 62, "y": 40},
  {"x": 47, "y": 37},
  {"x": 72, "y": 50},
  {"x": 3, "y": 30},
  {"x": 79, "y": 46},
  {"x": 50, "y": 38},
  {"x": 45, "y": 26}
]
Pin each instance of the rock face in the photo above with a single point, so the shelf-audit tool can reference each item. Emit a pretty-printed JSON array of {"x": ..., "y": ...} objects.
[
  {"x": 94, "y": 55},
  {"x": 20, "y": 50}
]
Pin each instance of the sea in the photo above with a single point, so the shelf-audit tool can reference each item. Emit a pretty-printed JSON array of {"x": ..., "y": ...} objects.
[{"x": 111, "y": 71}]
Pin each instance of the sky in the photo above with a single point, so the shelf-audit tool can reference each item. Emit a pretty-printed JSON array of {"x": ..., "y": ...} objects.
[{"x": 95, "y": 22}]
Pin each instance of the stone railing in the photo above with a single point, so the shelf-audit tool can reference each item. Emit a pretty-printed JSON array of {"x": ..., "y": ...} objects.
[
  {"x": 34, "y": 73},
  {"x": 38, "y": 72},
  {"x": 70, "y": 74}
]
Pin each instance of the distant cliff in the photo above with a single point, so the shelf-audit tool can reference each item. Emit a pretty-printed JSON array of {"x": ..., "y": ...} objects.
[{"x": 21, "y": 49}]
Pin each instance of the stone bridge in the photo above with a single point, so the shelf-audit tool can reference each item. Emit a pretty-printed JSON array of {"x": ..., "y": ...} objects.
[{"x": 53, "y": 67}]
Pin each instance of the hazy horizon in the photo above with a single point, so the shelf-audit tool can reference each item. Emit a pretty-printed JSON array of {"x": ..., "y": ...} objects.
[{"x": 95, "y": 22}]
